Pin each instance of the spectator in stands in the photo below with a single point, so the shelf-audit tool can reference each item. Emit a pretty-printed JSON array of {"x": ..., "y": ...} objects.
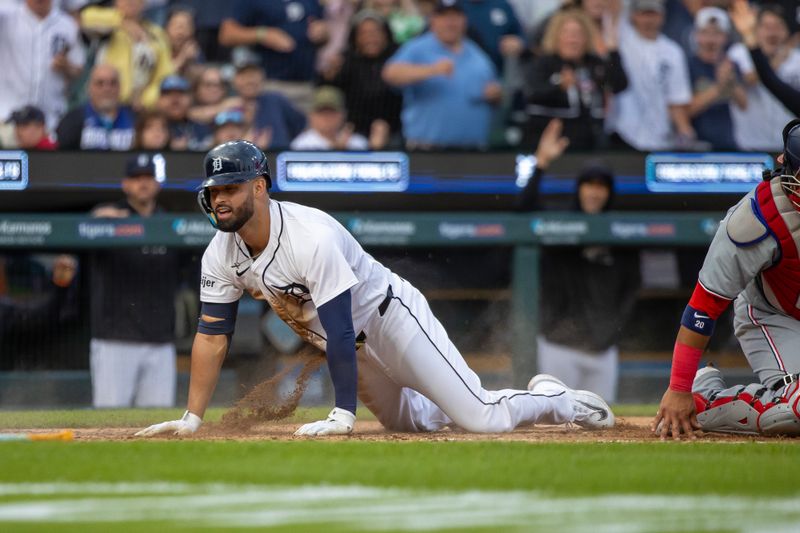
[
  {"x": 152, "y": 132},
  {"x": 287, "y": 35},
  {"x": 327, "y": 129},
  {"x": 449, "y": 84},
  {"x": 679, "y": 17},
  {"x": 270, "y": 118},
  {"x": 588, "y": 293},
  {"x": 651, "y": 114},
  {"x": 496, "y": 29},
  {"x": 371, "y": 103},
  {"x": 715, "y": 81},
  {"x": 209, "y": 93},
  {"x": 40, "y": 54},
  {"x": 137, "y": 48},
  {"x": 229, "y": 126},
  {"x": 790, "y": 13},
  {"x": 186, "y": 53},
  {"x": 570, "y": 81},
  {"x": 30, "y": 130},
  {"x": 403, "y": 16},
  {"x": 102, "y": 123},
  {"x": 754, "y": 126},
  {"x": 133, "y": 290},
  {"x": 208, "y": 14},
  {"x": 745, "y": 20},
  {"x": 174, "y": 102}
]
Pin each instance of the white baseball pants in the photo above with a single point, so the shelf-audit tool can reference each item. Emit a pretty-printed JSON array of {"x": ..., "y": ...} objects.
[
  {"x": 126, "y": 374},
  {"x": 413, "y": 378}
]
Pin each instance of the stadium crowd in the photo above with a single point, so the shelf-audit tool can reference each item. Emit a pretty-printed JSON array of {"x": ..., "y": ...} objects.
[{"x": 377, "y": 74}]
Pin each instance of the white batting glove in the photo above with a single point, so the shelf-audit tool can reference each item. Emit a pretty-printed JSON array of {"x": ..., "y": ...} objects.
[
  {"x": 339, "y": 422},
  {"x": 188, "y": 424}
]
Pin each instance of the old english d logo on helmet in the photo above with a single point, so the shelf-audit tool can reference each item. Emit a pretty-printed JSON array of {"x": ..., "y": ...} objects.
[{"x": 230, "y": 163}]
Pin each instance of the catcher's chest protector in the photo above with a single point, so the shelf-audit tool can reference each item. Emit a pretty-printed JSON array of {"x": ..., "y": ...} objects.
[{"x": 781, "y": 281}]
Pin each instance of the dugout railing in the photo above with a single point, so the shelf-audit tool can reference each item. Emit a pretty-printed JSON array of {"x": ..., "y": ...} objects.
[{"x": 525, "y": 235}]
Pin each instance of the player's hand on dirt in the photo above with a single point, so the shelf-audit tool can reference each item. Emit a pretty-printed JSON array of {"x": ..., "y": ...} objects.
[
  {"x": 551, "y": 144},
  {"x": 339, "y": 422},
  {"x": 188, "y": 424},
  {"x": 675, "y": 415}
]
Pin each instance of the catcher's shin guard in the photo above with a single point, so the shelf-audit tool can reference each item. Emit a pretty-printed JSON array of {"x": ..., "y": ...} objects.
[
  {"x": 745, "y": 414},
  {"x": 729, "y": 415},
  {"x": 782, "y": 417}
]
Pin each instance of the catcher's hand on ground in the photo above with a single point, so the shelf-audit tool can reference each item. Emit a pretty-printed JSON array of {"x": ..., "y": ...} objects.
[
  {"x": 187, "y": 425},
  {"x": 339, "y": 422},
  {"x": 675, "y": 415}
]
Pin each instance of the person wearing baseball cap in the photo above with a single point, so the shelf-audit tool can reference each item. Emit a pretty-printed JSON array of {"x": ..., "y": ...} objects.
[
  {"x": 132, "y": 350},
  {"x": 30, "y": 131},
  {"x": 651, "y": 114},
  {"x": 327, "y": 129},
  {"x": 656, "y": 6},
  {"x": 229, "y": 126},
  {"x": 716, "y": 83},
  {"x": 174, "y": 102}
]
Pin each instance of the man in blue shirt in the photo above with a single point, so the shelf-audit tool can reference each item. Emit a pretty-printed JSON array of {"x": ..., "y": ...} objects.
[{"x": 449, "y": 84}]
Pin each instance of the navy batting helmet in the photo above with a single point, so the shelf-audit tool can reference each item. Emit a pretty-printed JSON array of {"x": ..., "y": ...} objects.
[{"x": 230, "y": 163}]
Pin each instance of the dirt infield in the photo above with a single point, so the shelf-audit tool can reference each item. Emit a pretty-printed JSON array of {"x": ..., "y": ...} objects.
[{"x": 628, "y": 429}]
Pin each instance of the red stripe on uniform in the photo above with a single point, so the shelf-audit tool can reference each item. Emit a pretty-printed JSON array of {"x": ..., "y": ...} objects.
[{"x": 767, "y": 336}]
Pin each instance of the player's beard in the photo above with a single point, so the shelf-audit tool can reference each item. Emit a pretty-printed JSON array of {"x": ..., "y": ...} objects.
[{"x": 240, "y": 217}]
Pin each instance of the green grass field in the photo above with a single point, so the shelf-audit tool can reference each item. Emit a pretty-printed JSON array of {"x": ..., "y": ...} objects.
[{"x": 318, "y": 485}]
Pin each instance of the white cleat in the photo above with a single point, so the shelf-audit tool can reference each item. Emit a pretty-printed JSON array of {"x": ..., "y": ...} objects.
[{"x": 591, "y": 411}]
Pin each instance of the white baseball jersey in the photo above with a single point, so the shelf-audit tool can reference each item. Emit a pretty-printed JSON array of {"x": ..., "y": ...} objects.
[
  {"x": 309, "y": 260},
  {"x": 410, "y": 375},
  {"x": 754, "y": 127},
  {"x": 658, "y": 77},
  {"x": 27, "y": 48}
]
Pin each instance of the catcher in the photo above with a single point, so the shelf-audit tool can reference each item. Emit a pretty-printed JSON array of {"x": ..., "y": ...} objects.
[
  {"x": 753, "y": 259},
  {"x": 319, "y": 280}
]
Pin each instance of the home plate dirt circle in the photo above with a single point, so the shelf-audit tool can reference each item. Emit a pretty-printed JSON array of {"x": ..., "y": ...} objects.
[{"x": 628, "y": 429}]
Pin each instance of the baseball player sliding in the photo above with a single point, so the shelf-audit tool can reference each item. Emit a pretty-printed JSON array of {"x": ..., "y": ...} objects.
[
  {"x": 754, "y": 259},
  {"x": 319, "y": 280}
]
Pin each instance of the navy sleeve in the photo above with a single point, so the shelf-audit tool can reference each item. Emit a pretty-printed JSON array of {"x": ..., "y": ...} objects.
[{"x": 337, "y": 319}]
